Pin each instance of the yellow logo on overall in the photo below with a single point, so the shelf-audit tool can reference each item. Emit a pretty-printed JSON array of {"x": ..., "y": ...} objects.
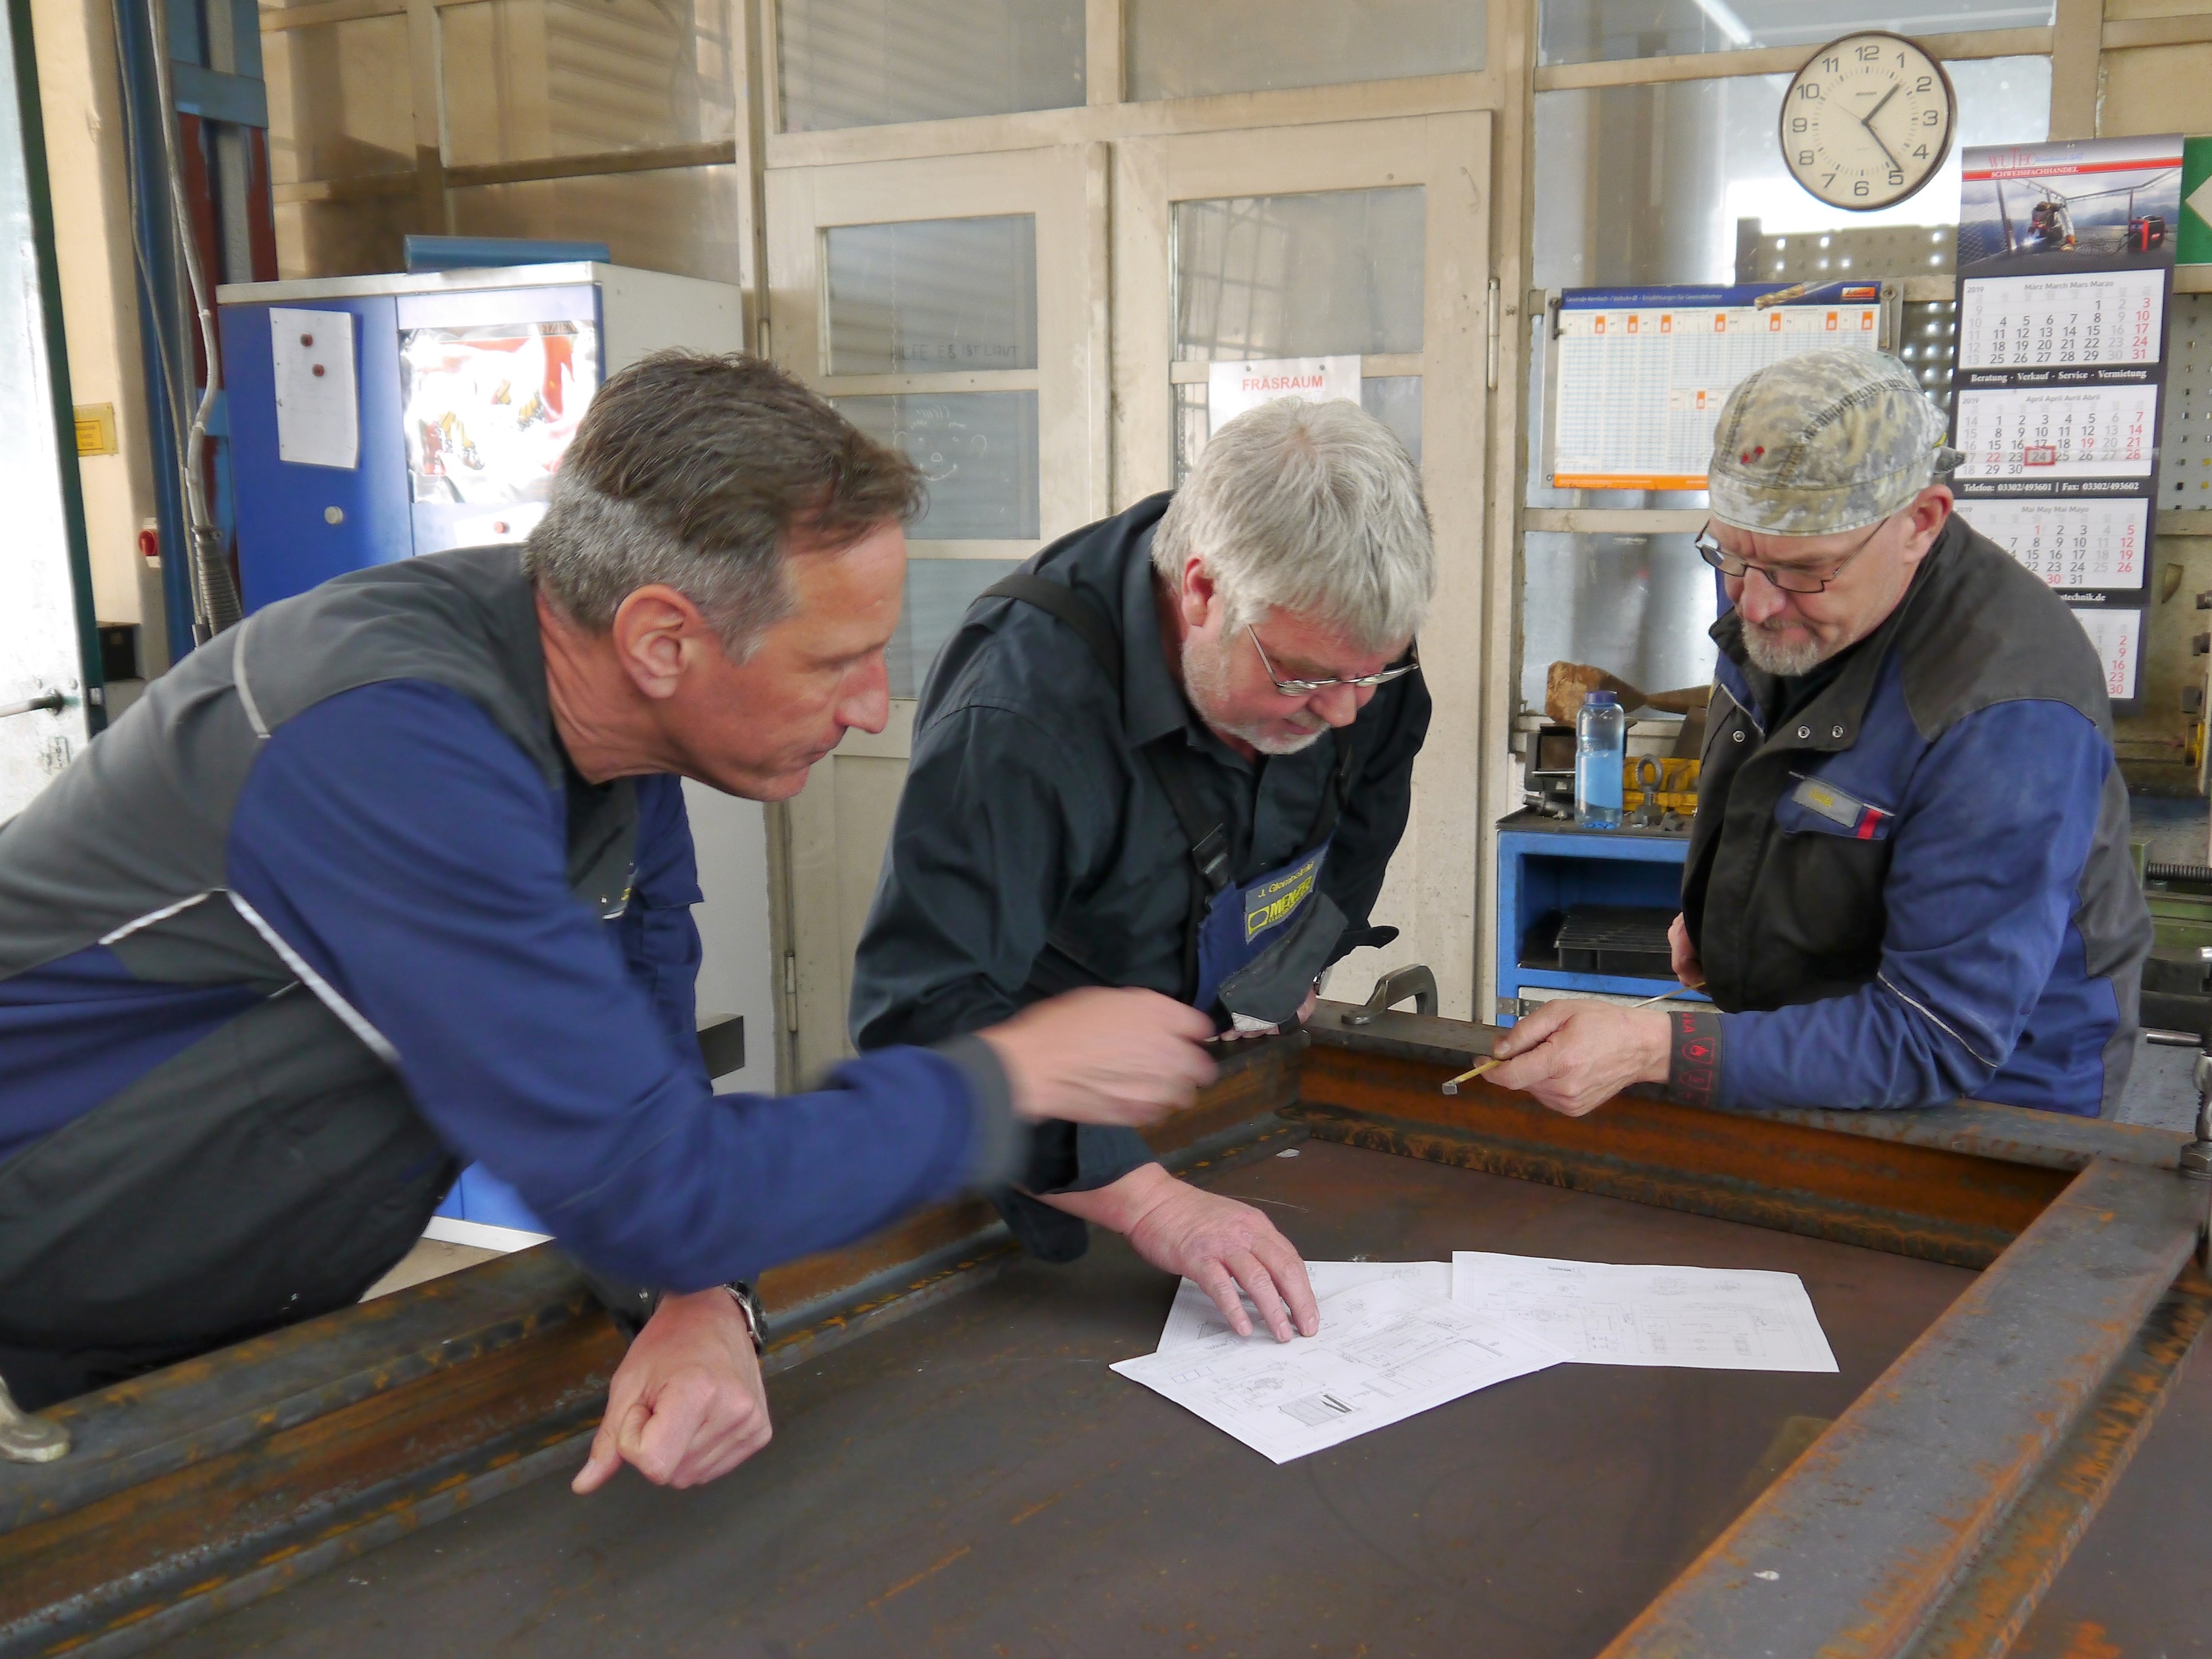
[{"x": 1275, "y": 901}]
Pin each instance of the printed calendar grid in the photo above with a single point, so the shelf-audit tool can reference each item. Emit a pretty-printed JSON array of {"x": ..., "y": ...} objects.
[
  {"x": 1640, "y": 388},
  {"x": 2056, "y": 432},
  {"x": 2071, "y": 543},
  {"x": 2107, "y": 318}
]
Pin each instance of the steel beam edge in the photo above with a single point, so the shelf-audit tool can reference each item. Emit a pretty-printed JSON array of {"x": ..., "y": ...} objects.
[
  {"x": 158, "y": 1424},
  {"x": 1986, "y": 1613},
  {"x": 1848, "y": 1555},
  {"x": 1979, "y": 1128}
]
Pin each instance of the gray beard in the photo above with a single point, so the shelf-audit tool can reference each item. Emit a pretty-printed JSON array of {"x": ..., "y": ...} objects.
[
  {"x": 1783, "y": 662},
  {"x": 1205, "y": 681},
  {"x": 1273, "y": 745}
]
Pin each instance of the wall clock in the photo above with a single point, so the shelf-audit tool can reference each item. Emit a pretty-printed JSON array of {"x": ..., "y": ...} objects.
[{"x": 1868, "y": 121}]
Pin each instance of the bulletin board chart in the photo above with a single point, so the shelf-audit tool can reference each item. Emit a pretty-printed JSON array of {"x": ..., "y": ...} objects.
[
  {"x": 2073, "y": 317},
  {"x": 1639, "y": 375},
  {"x": 2072, "y": 542},
  {"x": 2057, "y": 431}
]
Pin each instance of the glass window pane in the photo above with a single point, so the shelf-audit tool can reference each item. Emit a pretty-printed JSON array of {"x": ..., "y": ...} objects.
[
  {"x": 528, "y": 79},
  {"x": 937, "y": 594},
  {"x": 1177, "y": 50},
  {"x": 933, "y": 295},
  {"x": 1638, "y": 606},
  {"x": 1709, "y": 155},
  {"x": 1396, "y": 400},
  {"x": 1393, "y": 399},
  {"x": 1335, "y": 272},
  {"x": 977, "y": 449},
  {"x": 865, "y": 63},
  {"x": 1590, "y": 31}
]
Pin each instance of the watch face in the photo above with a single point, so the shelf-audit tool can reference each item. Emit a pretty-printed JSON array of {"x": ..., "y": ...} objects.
[{"x": 1868, "y": 121}]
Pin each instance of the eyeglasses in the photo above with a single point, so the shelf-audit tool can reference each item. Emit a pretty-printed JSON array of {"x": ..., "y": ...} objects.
[
  {"x": 1307, "y": 688},
  {"x": 1790, "y": 581}
]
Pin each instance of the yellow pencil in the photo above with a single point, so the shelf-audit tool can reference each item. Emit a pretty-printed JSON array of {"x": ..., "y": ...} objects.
[{"x": 1452, "y": 1087}]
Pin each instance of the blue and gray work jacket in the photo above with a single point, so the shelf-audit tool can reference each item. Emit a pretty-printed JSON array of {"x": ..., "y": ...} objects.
[
  {"x": 327, "y": 913},
  {"x": 1917, "y": 886}
]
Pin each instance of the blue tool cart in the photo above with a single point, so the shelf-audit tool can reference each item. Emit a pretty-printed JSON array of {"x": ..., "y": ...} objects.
[{"x": 1548, "y": 868}]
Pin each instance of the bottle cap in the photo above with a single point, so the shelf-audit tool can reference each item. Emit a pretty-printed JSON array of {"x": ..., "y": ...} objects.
[{"x": 1599, "y": 700}]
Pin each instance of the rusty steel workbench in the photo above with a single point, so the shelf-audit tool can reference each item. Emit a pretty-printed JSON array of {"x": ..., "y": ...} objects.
[{"x": 2011, "y": 1297}]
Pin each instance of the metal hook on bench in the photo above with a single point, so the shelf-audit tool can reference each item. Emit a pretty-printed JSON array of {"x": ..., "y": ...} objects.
[
  {"x": 1415, "y": 982},
  {"x": 28, "y": 1439}
]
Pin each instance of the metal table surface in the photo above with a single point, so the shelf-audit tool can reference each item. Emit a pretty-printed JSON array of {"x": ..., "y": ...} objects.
[{"x": 972, "y": 1480}]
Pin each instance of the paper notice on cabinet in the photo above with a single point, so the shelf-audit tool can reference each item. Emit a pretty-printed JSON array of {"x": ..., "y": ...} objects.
[
  {"x": 1193, "y": 1316},
  {"x": 1714, "y": 1319},
  {"x": 317, "y": 397},
  {"x": 1385, "y": 1352}
]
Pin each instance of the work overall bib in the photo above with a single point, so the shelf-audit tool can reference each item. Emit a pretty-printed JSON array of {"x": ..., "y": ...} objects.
[{"x": 1252, "y": 949}]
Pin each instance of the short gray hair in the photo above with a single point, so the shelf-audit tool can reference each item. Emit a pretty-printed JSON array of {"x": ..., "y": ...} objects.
[
  {"x": 694, "y": 472},
  {"x": 1311, "y": 508}
]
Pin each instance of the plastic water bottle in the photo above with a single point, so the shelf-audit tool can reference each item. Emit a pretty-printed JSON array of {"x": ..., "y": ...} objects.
[{"x": 1600, "y": 749}]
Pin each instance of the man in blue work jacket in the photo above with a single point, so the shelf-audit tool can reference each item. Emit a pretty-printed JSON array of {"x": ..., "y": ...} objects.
[
  {"x": 1174, "y": 750},
  {"x": 396, "y": 875},
  {"x": 1909, "y": 878}
]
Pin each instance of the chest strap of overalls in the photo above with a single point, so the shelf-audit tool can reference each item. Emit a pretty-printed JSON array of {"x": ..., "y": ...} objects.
[{"x": 1168, "y": 757}]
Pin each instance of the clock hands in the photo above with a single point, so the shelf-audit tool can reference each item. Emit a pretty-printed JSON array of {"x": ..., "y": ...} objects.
[{"x": 1866, "y": 121}]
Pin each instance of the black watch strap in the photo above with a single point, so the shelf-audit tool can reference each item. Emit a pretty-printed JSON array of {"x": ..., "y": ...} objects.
[{"x": 749, "y": 1304}]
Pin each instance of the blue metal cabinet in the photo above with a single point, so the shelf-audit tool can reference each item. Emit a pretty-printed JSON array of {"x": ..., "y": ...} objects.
[
  {"x": 1545, "y": 866},
  {"x": 299, "y": 525}
]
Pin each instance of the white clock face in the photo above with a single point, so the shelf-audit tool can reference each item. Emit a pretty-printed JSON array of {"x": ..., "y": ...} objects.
[{"x": 1868, "y": 121}]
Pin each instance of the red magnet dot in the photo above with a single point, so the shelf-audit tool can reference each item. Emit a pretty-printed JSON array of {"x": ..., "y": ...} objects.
[
  {"x": 318, "y": 370},
  {"x": 307, "y": 339}
]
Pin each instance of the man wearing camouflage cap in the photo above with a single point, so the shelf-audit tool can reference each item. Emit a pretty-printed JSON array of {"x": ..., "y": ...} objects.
[{"x": 1909, "y": 878}]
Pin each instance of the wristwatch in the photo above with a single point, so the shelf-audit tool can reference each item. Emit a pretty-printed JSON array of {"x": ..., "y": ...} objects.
[{"x": 749, "y": 1304}]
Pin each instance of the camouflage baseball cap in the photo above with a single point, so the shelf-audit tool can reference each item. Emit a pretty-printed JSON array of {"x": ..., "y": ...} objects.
[{"x": 1823, "y": 442}]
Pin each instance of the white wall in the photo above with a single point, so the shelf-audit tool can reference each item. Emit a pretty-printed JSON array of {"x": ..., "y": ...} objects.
[{"x": 737, "y": 975}]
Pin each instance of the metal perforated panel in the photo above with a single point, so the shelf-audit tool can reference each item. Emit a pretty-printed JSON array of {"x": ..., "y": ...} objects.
[
  {"x": 2185, "y": 462},
  {"x": 1897, "y": 251}
]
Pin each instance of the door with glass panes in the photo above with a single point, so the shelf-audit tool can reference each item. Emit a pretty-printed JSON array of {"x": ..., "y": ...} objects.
[
  {"x": 956, "y": 308},
  {"x": 959, "y": 309},
  {"x": 1366, "y": 239}
]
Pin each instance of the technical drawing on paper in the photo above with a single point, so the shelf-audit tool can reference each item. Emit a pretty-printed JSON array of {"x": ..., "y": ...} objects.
[
  {"x": 1194, "y": 1316},
  {"x": 1385, "y": 1352},
  {"x": 1713, "y": 1319}
]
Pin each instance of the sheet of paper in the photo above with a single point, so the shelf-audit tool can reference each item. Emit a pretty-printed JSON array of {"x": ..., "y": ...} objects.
[
  {"x": 2046, "y": 433},
  {"x": 1713, "y": 1319},
  {"x": 1385, "y": 1352},
  {"x": 1194, "y": 1316},
  {"x": 317, "y": 401},
  {"x": 1232, "y": 388}
]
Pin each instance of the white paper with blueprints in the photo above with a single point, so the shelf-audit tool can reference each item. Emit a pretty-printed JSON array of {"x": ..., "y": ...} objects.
[
  {"x": 1194, "y": 1315},
  {"x": 1385, "y": 1352},
  {"x": 1713, "y": 1319}
]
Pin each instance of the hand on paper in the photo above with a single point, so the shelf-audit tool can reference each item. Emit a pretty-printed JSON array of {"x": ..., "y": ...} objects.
[
  {"x": 1687, "y": 968},
  {"x": 1574, "y": 1055},
  {"x": 687, "y": 1404},
  {"x": 1101, "y": 1055},
  {"x": 1215, "y": 1243}
]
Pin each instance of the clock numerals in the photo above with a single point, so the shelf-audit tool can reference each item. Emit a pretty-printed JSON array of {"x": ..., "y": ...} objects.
[{"x": 1868, "y": 121}]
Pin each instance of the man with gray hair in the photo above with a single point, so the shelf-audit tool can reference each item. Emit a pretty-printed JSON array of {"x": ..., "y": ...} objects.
[
  {"x": 1909, "y": 878},
  {"x": 396, "y": 875},
  {"x": 1120, "y": 778}
]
